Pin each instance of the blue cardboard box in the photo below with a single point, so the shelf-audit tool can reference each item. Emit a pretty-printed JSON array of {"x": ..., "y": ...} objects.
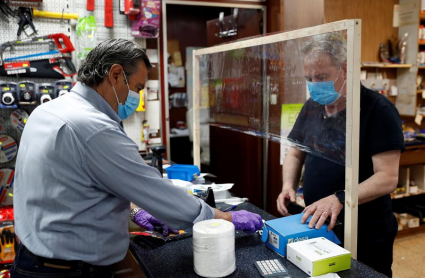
[
  {"x": 277, "y": 233},
  {"x": 183, "y": 172}
]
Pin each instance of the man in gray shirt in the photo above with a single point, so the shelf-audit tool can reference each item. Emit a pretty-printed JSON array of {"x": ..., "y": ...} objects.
[{"x": 77, "y": 172}]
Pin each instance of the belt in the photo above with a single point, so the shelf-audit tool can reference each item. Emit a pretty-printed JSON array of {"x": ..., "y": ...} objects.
[{"x": 63, "y": 264}]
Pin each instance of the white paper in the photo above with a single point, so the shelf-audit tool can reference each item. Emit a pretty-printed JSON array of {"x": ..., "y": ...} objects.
[
  {"x": 329, "y": 275},
  {"x": 396, "y": 16},
  {"x": 393, "y": 91},
  {"x": 418, "y": 119}
]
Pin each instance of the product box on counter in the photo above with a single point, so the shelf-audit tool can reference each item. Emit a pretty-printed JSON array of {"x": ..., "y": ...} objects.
[
  {"x": 318, "y": 256},
  {"x": 277, "y": 233}
]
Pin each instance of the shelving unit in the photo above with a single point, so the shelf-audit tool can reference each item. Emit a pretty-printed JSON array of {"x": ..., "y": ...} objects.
[
  {"x": 421, "y": 47},
  {"x": 399, "y": 196},
  {"x": 411, "y": 231},
  {"x": 385, "y": 66}
]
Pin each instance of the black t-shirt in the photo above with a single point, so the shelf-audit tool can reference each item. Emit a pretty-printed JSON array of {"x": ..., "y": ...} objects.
[{"x": 380, "y": 131}]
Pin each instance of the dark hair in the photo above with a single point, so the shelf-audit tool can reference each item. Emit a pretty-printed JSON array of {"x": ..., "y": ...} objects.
[{"x": 113, "y": 51}]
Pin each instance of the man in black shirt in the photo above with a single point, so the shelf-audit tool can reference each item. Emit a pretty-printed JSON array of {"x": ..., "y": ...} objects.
[{"x": 320, "y": 129}]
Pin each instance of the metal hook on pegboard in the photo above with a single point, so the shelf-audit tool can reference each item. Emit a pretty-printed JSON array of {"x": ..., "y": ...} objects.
[{"x": 62, "y": 22}]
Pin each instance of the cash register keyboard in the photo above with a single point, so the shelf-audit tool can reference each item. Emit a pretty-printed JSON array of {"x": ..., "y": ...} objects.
[{"x": 271, "y": 268}]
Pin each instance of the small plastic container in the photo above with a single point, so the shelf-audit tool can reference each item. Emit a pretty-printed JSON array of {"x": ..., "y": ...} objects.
[{"x": 183, "y": 172}]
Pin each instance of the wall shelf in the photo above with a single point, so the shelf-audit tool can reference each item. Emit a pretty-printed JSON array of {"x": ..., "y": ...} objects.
[
  {"x": 398, "y": 196},
  {"x": 411, "y": 231},
  {"x": 384, "y": 65}
]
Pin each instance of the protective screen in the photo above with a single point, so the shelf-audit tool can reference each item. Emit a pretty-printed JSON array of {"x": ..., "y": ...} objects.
[{"x": 292, "y": 92}]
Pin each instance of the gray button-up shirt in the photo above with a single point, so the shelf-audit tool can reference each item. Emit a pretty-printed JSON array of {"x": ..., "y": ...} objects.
[{"x": 77, "y": 172}]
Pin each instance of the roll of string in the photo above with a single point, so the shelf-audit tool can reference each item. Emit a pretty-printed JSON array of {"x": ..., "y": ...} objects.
[{"x": 214, "y": 248}]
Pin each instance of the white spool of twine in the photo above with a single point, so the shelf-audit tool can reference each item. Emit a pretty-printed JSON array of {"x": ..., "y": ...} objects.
[{"x": 214, "y": 248}]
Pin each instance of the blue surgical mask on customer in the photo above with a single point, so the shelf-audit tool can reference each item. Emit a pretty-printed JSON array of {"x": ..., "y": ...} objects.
[
  {"x": 324, "y": 92},
  {"x": 131, "y": 103}
]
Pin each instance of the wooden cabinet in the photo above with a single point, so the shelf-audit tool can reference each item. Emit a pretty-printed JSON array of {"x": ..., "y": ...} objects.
[{"x": 413, "y": 155}]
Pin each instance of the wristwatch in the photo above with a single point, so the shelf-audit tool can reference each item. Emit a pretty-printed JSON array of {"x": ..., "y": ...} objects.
[
  {"x": 134, "y": 212},
  {"x": 340, "y": 194}
]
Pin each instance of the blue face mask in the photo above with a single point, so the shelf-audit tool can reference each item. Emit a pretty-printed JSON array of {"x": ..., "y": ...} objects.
[
  {"x": 132, "y": 102},
  {"x": 324, "y": 92}
]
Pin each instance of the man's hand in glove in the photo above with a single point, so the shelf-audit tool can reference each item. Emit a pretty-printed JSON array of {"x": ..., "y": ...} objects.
[
  {"x": 246, "y": 221},
  {"x": 145, "y": 220}
]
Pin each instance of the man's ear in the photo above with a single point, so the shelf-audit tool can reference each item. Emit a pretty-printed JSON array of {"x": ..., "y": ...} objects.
[
  {"x": 115, "y": 71},
  {"x": 344, "y": 69}
]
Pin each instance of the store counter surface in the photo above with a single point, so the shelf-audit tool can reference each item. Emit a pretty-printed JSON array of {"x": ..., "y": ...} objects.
[{"x": 175, "y": 259}]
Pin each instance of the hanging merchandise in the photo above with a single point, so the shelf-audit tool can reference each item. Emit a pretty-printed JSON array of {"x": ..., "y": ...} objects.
[
  {"x": 5, "y": 9},
  {"x": 148, "y": 20},
  {"x": 90, "y": 5},
  {"x": 58, "y": 43},
  {"x": 132, "y": 8},
  {"x": 109, "y": 14},
  {"x": 27, "y": 93},
  {"x": 61, "y": 15},
  {"x": 141, "y": 107},
  {"x": 18, "y": 119},
  {"x": 86, "y": 34},
  {"x": 6, "y": 186},
  {"x": 8, "y": 148},
  {"x": 45, "y": 92},
  {"x": 62, "y": 87},
  {"x": 7, "y": 235},
  {"x": 145, "y": 132},
  {"x": 25, "y": 22},
  {"x": 5, "y": 273},
  {"x": 8, "y": 95},
  {"x": 57, "y": 67}
]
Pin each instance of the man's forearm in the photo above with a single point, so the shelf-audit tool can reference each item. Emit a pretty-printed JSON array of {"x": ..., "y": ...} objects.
[
  {"x": 385, "y": 177},
  {"x": 292, "y": 167},
  {"x": 376, "y": 186}
]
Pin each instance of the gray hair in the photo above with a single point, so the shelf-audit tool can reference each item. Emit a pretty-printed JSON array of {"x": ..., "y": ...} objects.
[
  {"x": 113, "y": 51},
  {"x": 333, "y": 44}
]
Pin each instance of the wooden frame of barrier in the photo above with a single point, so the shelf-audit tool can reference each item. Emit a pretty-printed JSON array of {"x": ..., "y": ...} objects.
[{"x": 353, "y": 28}]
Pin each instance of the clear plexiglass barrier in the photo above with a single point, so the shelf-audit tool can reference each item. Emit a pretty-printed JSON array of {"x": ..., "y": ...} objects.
[
  {"x": 289, "y": 90},
  {"x": 299, "y": 88}
]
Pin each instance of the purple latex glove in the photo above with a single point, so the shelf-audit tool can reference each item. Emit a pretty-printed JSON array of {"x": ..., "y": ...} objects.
[
  {"x": 246, "y": 221},
  {"x": 145, "y": 220}
]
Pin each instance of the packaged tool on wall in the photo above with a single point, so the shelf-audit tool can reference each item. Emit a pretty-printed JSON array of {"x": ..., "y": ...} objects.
[
  {"x": 27, "y": 93},
  {"x": 57, "y": 67},
  {"x": 109, "y": 14},
  {"x": 8, "y": 148},
  {"x": 59, "y": 40},
  {"x": 8, "y": 95},
  {"x": 5, "y": 9},
  {"x": 25, "y": 21},
  {"x": 62, "y": 87},
  {"x": 18, "y": 119},
  {"x": 7, "y": 239},
  {"x": 38, "y": 13},
  {"x": 86, "y": 34},
  {"x": 7, "y": 177},
  {"x": 131, "y": 8},
  {"x": 148, "y": 20},
  {"x": 7, "y": 235},
  {"x": 45, "y": 92}
]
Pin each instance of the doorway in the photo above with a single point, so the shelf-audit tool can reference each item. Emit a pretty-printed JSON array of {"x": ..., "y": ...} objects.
[{"x": 188, "y": 26}]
